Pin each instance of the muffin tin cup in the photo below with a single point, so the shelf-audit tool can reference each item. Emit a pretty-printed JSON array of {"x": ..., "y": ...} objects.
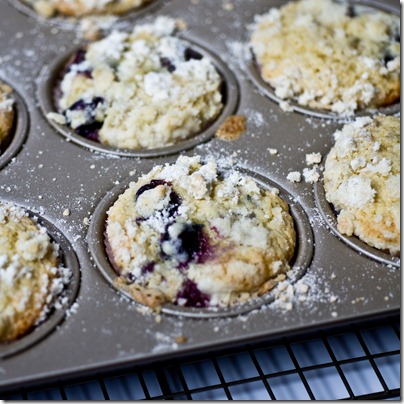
[
  {"x": 69, "y": 260},
  {"x": 254, "y": 74},
  {"x": 19, "y": 131},
  {"x": 71, "y": 23},
  {"x": 48, "y": 81},
  {"x": 300, "y": 263},
  {"x": 329, "y": 215}
]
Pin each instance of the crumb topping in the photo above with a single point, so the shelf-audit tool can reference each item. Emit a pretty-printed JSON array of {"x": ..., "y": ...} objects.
[
  {"x": 197, "y": 234},
  {"x": 361, "y": 179},
  {"x": 31, "y": 277},
  {"x": 143, "y": 89},
  {"x": 323, "y": 56}
]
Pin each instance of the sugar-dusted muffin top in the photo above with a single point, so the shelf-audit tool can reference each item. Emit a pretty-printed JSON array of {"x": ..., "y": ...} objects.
[
  {"x": 362, "y": 181},
  {"x": 6, "y": 112},
  {"x": 31, "y": 276},
  {"x": 144, "y": 89},
  {"x": 195, "y": 235},
  {"x": 79, "y": 8},
  {"x": 329, "y": 55}
]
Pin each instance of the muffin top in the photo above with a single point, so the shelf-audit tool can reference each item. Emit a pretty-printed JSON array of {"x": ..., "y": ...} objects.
[
  {"x": 195, "y": 235},
  {"x": 6, "y": 112},
  {"x": 362, "y": 181},
  {"x": 144, "y": 89},
  {"x": 80, "y": 8},
  {"x": 31, "y": 276},
  {"x": 329, "y": 55}
]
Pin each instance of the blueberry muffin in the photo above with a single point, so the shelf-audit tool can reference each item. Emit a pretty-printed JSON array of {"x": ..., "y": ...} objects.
[
  {"x": 329, "y": 55},
  {"x": 362, "y": 181},
  {"x": 30, "y": 273},
  {"x": 80, "y": 8},
  {"x": 145, "y": 89},
  {"x": 194, "y": 235},
  {"x": 6, "y": 112}
]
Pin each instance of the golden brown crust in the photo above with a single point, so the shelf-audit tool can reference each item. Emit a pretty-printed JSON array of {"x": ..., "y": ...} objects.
[{"x": 232, "y": 128}]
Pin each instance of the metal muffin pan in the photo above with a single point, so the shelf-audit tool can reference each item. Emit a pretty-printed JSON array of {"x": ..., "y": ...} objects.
[
  {"x": 48, "y": 81},
  {"x": 51, "y": 173},
  {"x": 68, "y": 259},
  {"x": 301, "y": 261}
]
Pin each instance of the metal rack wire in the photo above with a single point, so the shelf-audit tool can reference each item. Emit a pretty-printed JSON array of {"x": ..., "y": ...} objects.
[{"x": 358, "y": 361}]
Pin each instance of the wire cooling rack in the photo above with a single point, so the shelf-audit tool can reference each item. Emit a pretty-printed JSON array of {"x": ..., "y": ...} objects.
[{"x": 358, "y": 361}]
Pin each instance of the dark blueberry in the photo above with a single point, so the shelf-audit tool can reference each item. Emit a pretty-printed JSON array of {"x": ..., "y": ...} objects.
[
  {"x": 387, "y": 58},
  {"x": 166, "y": 62},
  {"x": 397, "y": 37},
  {"x": 79, "y": 57},
  {"x": 174, "y": 204},
  {"x": 89, "y": 106},
  {"x": 191, "y": 245},
  {"x": 90, "y": 130},
  {"x": 190, "y": 53},
  {"x": 174, "y": 201},
  {"x": 151, "y": 185},
  {"x": 91, "y": 127},
  {"x": 148, "y": 268},
  {"x": 350, "y": 11},
  {"x": 194, "y": 297}
]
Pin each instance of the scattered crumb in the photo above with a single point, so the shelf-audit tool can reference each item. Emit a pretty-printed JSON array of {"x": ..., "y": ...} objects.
[
  {"x": 313, "y": 158},
  {"x": 272, "y": 151},
  {"x": 334, "y": 314},
  {"x": 66, "y": 212},
  {"x": 228, "y": 6},
  {"x": 58, "y": 118},
  {"x": 232, "y": 128},
  {"x": 311, "y": 175},
  {"x": 285, "y": 106},
  {"x": 294, "y": 176},
  {"x": 86, "y": 221},
  {"x": 158, "y": 319},
  {"x": 180, "y": 339}
]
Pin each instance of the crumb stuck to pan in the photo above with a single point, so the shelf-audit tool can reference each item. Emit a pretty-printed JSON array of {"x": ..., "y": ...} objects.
[{"x": 232, "y": 128}]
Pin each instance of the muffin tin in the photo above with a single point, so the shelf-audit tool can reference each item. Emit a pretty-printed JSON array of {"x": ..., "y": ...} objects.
[{"x": 48, "y": 173}]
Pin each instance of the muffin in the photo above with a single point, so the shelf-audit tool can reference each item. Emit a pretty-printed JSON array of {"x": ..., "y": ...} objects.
[
  {"x": 329, "y": 55},
  {"x": 31, "y": 276},
  {"x": 80, "y": 8},
  {"x": 194, "y": 235},
  {"x": 146, "y": 89},
  {"x": 6, "y": 113},
  {"x": 362, "y": 181}
]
